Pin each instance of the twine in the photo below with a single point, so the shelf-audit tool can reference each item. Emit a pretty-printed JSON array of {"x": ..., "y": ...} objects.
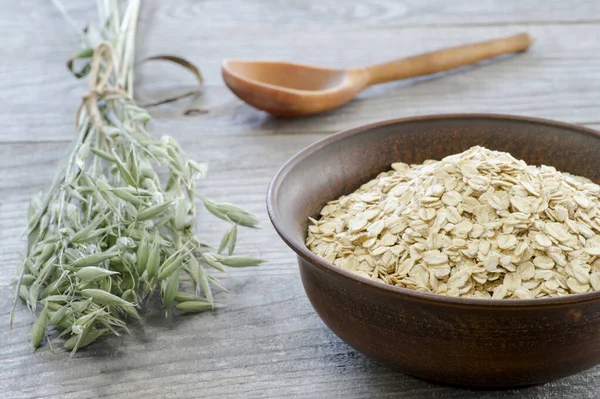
[{"x": 99, "y": 85}]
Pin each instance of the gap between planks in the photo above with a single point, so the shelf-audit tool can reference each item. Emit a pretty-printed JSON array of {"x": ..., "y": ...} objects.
[{"x": 591, "y": 125}]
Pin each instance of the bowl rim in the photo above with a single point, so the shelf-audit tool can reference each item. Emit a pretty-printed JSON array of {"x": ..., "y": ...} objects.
[{"x": 400, "y": 292}]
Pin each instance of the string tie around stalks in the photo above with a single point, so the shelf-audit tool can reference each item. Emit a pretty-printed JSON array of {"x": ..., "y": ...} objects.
[{"x": 102, "y": 68}]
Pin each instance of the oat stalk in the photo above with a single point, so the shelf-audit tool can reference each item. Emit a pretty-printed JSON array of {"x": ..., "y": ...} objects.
[{"x": 110, "y": 232}]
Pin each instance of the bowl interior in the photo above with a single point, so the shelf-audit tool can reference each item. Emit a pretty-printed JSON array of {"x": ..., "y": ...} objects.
[{"x": 342, "y": 162}]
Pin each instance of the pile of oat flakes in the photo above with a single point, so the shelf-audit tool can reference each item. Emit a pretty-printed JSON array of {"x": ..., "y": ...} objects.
[{"x": 477, "y": 224}]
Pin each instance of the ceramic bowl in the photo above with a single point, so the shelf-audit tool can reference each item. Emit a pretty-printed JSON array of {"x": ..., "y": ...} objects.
[{"x": 463, "y": 341}]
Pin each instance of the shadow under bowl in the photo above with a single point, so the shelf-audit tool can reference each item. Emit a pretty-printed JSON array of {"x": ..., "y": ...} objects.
[{"x": 460, "y": 341}]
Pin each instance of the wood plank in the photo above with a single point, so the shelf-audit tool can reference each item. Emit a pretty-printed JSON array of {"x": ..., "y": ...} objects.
[
  {"x": 557, "y": 79},
  {"x": 265, "y": 15},
  {"x": 268, "y": 342},
  {"x": 268, "y": 14}
]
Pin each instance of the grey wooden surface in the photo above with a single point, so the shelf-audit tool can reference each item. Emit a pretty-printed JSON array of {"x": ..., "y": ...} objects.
[{"x": 268, "y": 342}]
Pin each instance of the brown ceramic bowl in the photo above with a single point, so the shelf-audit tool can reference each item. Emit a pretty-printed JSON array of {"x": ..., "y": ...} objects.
[{"x": 463, "y": 341}]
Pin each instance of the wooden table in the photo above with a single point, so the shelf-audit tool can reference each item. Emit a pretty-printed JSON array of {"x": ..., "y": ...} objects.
[{"x": 268, "y": 342}]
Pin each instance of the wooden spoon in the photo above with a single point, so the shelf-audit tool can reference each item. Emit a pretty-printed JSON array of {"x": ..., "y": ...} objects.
[{"x": 289, "y": 89}]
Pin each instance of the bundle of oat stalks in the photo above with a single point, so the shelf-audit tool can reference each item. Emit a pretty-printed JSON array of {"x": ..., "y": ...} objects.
[{"x": 111, "y": 230}]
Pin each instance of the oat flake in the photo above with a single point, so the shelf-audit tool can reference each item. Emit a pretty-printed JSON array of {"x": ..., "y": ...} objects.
[{"x": 477, "y": 224}]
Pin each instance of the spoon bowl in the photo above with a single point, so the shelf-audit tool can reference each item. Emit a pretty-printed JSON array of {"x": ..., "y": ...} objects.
[{"x": 290, "y": 89}]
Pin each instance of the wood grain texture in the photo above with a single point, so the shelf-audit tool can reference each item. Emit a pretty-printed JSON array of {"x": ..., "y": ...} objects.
[
  {"x": 268, "y": 342},
  {"x": 261, "y": 14},
  {"x": 558, "y": 78}
]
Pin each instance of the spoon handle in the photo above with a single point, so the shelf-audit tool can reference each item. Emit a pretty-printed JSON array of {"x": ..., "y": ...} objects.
[{"x": 446, "y": 59}]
